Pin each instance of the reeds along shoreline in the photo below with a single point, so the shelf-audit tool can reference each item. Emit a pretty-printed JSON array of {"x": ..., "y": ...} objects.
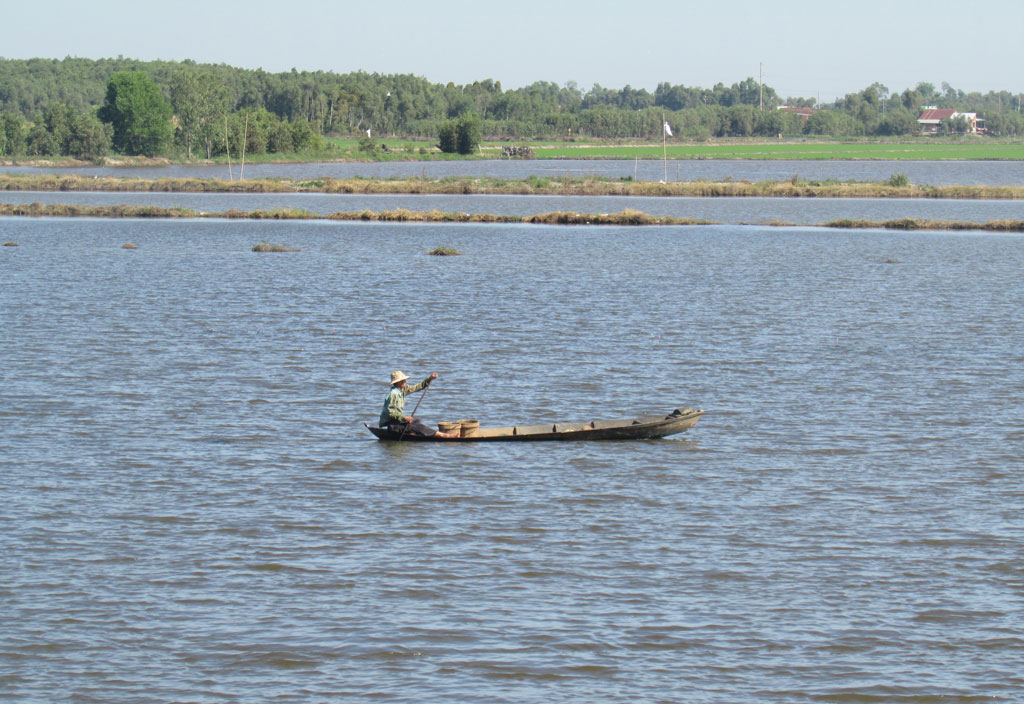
[
  {"x": 793, "y": 188},
  {"x": 919, "y": 224},
  {"x": 626, "y": 217}
]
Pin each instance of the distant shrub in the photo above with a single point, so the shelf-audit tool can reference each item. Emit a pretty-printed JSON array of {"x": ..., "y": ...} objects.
[
  {"x": 898, "y": 179},
  {"x": 447, "y": 137}
]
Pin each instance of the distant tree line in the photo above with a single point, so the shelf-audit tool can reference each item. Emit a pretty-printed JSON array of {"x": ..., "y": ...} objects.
[{"x": 88, "y": 108}]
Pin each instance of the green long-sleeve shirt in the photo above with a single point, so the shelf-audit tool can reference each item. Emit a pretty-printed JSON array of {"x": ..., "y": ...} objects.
[{"x": 394, "y": 404}]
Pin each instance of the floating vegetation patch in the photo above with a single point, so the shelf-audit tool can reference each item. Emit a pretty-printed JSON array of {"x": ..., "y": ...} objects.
[
  {"x": 626, "y": 217},
  {"x": 266, "y": 247},
  {"x": 128, "y": 245},
  {"x": 444, "y": 252},
  {"x": 10, "y": 244}
]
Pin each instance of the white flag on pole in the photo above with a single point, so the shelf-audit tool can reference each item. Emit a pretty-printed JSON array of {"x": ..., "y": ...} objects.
[{"x": 668, "y": 130}]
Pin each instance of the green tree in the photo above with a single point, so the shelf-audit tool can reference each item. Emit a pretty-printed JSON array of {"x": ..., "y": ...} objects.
[
  {"x": 833, "y": 123},
  {"x": 897, "y": 122},
  {"x": 58, "y": 119},
  {"x": 959, "y": 125},
  {"x": 12, "y": 135},
  {"x": 279, "y": 138},
  {"x": 926, "y": 91},
  {"x": 447, "y": 134},
  {"x": 305, "y": 138},
  {"x": 1005, "y": 124},
  {"x": 40, "y": 142},
  {"x": 199, "y": 101},
  {"x": 469, "y": 133},
  {"x": 88, "y": 138},
  {"x": 138, "y": 112}
]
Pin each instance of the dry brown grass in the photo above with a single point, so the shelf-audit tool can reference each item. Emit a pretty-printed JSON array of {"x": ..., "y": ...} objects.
[
  {"x": 792, "y": 188},
  {"x": 625, "y": 217},
  {"x": 921, "y": 224}
]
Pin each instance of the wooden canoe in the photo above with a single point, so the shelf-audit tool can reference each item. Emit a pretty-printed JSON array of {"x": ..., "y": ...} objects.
[{"x": 642, "y": 428}]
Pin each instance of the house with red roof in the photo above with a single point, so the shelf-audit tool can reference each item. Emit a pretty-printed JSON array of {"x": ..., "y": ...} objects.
[
  {"x": 804, "y": 113},
  {"x": 931, "y": 120}
]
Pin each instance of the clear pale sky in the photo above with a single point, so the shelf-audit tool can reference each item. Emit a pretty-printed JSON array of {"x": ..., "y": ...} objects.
[{"x": 813, "y": 49}]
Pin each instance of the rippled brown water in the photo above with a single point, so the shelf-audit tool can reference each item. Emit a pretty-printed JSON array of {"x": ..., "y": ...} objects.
[{"x": 191, "y": 510}]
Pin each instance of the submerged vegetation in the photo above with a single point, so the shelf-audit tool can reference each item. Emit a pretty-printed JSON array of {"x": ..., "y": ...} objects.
[
  {"x": 265, "y": 247},
  {"x": 444, "y": 252}
]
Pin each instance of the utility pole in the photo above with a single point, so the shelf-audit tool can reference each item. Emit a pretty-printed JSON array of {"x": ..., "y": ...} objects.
[{"x": 760, "y": 83}]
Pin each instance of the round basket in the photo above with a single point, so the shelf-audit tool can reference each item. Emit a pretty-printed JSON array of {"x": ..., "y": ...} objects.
[
  {"x": 469, "y": 427},
  {"x": 449, "y": 427}
]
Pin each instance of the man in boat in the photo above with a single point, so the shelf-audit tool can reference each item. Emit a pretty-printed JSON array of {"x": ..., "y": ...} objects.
[{"x": 393, "y": 415}]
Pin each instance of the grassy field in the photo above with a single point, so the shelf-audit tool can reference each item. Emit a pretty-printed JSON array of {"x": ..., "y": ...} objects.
[
  {"x": 397, "y": 149},
  {"x": 923, "y": 150},
  {"x": 916, "y": 150}
]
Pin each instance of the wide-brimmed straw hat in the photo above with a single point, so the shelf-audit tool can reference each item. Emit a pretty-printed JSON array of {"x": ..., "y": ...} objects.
[{"x": 398, "y": 376}]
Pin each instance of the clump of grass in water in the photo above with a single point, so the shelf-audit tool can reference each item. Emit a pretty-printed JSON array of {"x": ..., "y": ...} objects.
[
  {"x": 444, "y": 252},
  {"x": 265, "y": 247},
  {"x": 9, "y": 243},
  {"x": 128, "y": 245}
]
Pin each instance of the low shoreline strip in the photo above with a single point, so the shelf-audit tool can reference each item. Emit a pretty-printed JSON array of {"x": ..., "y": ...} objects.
[
  {"x": 625, "y": 217},
  {"x": 793, "y": 188}
]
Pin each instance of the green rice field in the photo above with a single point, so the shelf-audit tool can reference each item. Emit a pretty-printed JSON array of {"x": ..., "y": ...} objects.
[
  {"x": 914, "y": 151},
  {"x": 923, "y": 149}
]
